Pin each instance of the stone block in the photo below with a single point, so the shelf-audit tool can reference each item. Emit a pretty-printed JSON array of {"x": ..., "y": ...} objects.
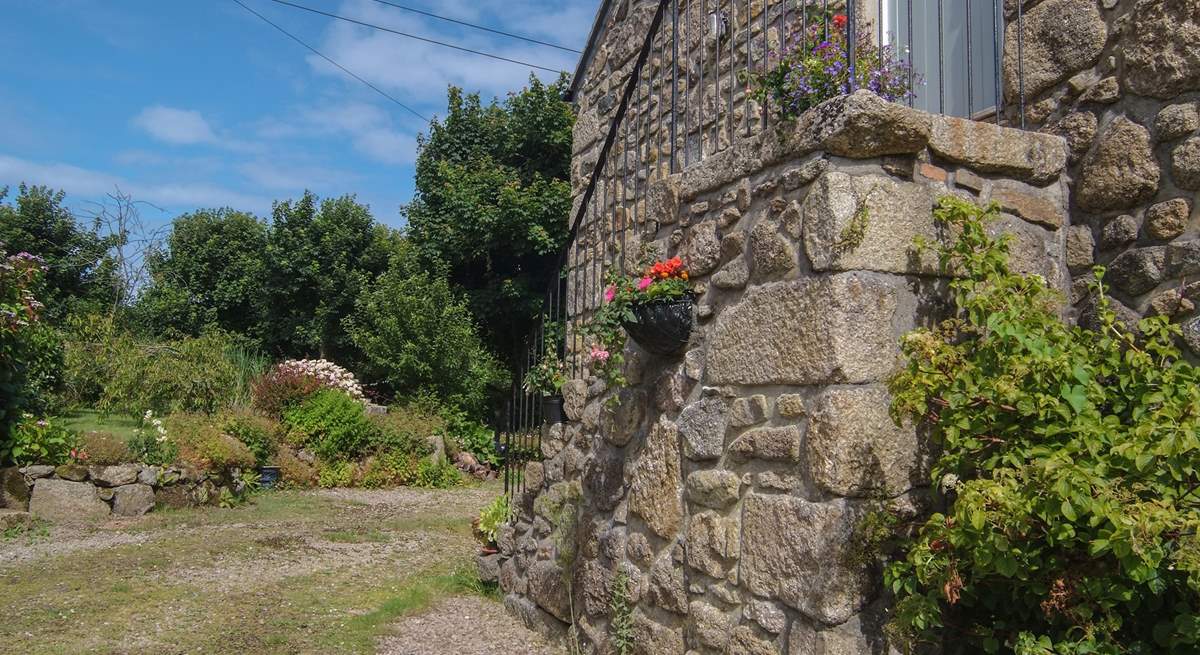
[
  {"x": 488, "y": 567},
  {"x": 988, "y": 148},
  {"x": 774, "y": 444},
  {"x": 653, "y": 638},
  {"x": 733, "y": 275},
  {"x": 1177, "y": 120},
  {"x": 666, "y": 586},
  {"x": 654, "y": 487},
  {"x": 14, "y": 492},
  {"x": 1031, "y": 205},
  {"x": 748, "y": 411},
  {"x": 1120, "y": 171},
  {"x": 770, "y": 254},
  {"x": 1185, "y": 164},
  {"x": 768, "y": 615},
  {"x": 71, "y": 471},
  {"x": 1139, "y": 270},
  {"x": 809, "y": 331},
  {"x": 133, "y": 499},
  {"x": 713, "y": 488},
  {"x": 64, "y": 501},
  {"x": 1118, "y": 232},
  {"x": 534, "y": 617},
  {"x": 114, "y": 476},
  {"x": 1080, "y": 247},
  {"x": 702, "y": 248},
  {"x": 863, "y": 125},
  {"x": 855, "y": 449},
  {"x": 548, "y": 588},
  {"x": 1159, "y": 48},
  {"x": 712, "y": 543},
  {"x": 1034, "y": 250},
  {"x": 790, "y": 405},
  {"x": 708, "y": 626},
  {"x": 703, "y": 425},
  {"x": 1167, "y": 220},
  {"x": 868, "y": 223},
  {"x": 797, "y": 551},
  {"x": 1059, "y": 37}
]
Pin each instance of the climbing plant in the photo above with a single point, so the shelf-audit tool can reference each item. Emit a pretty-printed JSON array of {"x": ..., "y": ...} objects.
[{"x": 1070, "y": 464}]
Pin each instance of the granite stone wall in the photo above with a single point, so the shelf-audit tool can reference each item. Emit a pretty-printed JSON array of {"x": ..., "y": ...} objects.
[
  {"x": 1120, "y": 81},
  {"x": 719, "y": 501}
]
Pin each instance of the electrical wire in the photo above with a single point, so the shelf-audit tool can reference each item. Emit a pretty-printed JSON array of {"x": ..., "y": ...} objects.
[
  {"x": 478, "y": 27},
  {"x": 326, "y": 58},
  {"x": 411, "y": 36}
]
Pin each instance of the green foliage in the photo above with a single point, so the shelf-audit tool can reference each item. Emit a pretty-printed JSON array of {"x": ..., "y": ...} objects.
[
  {"x": 321, "y": 256},
  {"x": 549, "y": 375},
  {"x": 439, "y": 474},
  {"x": 335, "y": 474},
  {"x": 81, "y": 275},
  {"x": 331, "y": 424},
  {"x": 494, "y": 515},
  {"x": 391, "y": 468},
  {"x": 1071, "y": 461},
  {"x": 472, "y": 436},
  {"x": 418, "y": 337},
  {"x": 259, "y": 433},
  {"x": 491, "y": 203},
  {"x": 151, "y": 444},
  {"x": 208, "y": 274},
  {"x": 39, "y": 441},
  {"x": 20, "y": 312},
  {"x": 280, "y": 389},
  {"x": 621, "y": 611},
  {"x": 203, "y": 444}
]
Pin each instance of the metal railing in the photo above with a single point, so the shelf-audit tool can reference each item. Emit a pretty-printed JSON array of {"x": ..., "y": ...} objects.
[{"x": 686, "y": 96}]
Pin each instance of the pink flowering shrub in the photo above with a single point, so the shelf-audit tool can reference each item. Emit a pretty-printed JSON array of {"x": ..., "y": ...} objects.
[
  {"x": 19, "y": 312},
  {"x": 291, "y": 382}
]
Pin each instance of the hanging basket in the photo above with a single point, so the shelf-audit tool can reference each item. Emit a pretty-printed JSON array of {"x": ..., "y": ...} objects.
[{"x": 662, "y": 327}]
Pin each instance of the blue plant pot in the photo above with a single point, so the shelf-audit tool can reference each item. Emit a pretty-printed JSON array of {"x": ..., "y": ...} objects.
[{"x": 268, "y": 476}]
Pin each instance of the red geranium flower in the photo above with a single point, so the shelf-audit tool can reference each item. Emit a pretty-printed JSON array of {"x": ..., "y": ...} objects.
[{"x": 839, "y": 21}]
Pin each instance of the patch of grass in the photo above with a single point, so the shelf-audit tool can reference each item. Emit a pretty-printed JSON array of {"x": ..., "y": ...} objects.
[
  {"x": 90, "y": 420},
  {"x": 358, "y": 536},
  {"x": 33, "y": 531}
]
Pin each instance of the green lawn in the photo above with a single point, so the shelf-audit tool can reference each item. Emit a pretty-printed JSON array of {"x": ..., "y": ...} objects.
[
  {"x": 295, "y": 572},
  {"x": 90, "y": 420}
]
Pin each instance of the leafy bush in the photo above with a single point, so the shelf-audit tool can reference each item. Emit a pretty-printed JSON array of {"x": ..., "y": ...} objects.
[
  {"x": 105, "y": 448},
  {"x": 390, "y": 469},
  {"x": 418, "y": 337},
  {"x": 39, "y": 441},
  {"x": 151, "y": 444},
  {"x": 330, "y": 424},
  {"x": 437, "y": 475},
  {"x": 471, "y": 436},
  {"x": 91, "y": 345},
  {"x": 293, "y": 471},
  {"x": 204, "y": 445},
  {"x": 406, "y": 430},
  {"x": 335, "y": 474},
  {"x": 277, "y": 391},
  {"x": 19, "y": 315},
  {"x": 259, "y": 433},
  {"x": 1071, "y": 461}
]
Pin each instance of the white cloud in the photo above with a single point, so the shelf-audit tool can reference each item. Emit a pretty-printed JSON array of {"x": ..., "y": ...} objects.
[
  {"x": 295, "y": 177},
  {"x": 370, "y": 129},
  {"x": 175, "y": 126},
  {"x": 85, "y": 183}
]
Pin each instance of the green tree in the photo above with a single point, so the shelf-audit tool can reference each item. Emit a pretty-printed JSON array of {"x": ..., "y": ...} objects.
[
  {"x": 79, "y": 271},
  {"x": 210, "y": 273},
  {"x": 418, "y": 337},
  {"x": 491, "y": 203},
  {"x": 321, "y": 255}
]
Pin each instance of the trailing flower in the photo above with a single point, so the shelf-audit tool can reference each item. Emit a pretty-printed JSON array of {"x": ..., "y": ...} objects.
[
  {"x": 661, "y": 281},
  {"x": 814, "y": 66}
]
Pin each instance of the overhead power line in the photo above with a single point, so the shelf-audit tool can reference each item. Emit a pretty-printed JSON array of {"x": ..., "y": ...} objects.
[
  {"x": 323, "y": 56},
  {"x": 478, "y": 27},
  {"x": 411, "y": 36}
]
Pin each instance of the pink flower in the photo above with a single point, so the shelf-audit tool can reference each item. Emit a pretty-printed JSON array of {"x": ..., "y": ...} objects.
[
  {"x": 599, "y": 354},
  {"x": 610, "y": 293},
  {"x": 645, "y": 282}
]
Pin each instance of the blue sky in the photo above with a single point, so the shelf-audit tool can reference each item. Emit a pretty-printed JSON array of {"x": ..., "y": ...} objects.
[{"x": 197, "y": 103}]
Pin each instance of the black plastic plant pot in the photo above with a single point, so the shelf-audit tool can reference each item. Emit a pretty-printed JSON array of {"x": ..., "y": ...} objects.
[
  {"x": 268, "y": 476},
  {"x": 552, "y": 409},
  {"x": 662, "y": 327}
]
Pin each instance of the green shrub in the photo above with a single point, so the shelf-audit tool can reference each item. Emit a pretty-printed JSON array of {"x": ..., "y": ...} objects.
[
  {"x": 403, "y": 432},
  {"x": 203, "y": 444},
  {"x": 20, "y": 274},
  {"x": 335, "y": 474},
  {"x": 294, "y": 473},
  {"x": 259, "y": 433},
  {"x": 437, "y": 475},
  {"x": 277, "y": 391},
  {"x": 330, "y": 424},
  {"x": 391, "y": 469},
  {"x": 494, "y": 515},
  {"x": 105, "y": 448},
  {"x": 471, "y": 436},
  {"x": 150, "y": 443},
  {"x": 1071, "y": 461},
  {"x": 39, "y": 441}
]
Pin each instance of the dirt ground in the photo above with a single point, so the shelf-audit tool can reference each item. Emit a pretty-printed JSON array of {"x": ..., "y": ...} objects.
[{"x": 342, "y": 571}]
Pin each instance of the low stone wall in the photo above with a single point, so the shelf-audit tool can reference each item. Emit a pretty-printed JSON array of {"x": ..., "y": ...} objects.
[
  {"x": 716, "y": 508},
  {"x": 74, "y": 493}
]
